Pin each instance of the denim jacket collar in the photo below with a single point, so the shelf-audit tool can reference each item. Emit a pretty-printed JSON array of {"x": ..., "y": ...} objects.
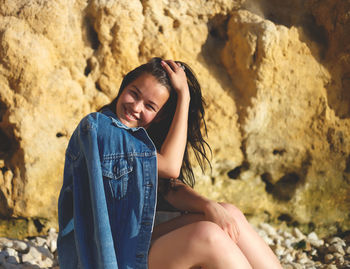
[{"x": 117, "y": 122}]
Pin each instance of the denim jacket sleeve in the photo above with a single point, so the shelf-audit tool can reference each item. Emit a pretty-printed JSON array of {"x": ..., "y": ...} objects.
[{"x": 92, "y": 242}]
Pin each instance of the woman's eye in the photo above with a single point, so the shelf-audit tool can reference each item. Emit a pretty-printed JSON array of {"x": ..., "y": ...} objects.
[
  {"x": 151, "y": 107},
  {"x": 133, "y": 93}
]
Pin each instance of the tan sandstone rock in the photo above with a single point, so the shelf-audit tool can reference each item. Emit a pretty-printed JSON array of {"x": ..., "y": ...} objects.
[
  {"x": 277, "y": 113},
  {"x": 291, "y": 137},
  {"x": 61, "y": 60}
]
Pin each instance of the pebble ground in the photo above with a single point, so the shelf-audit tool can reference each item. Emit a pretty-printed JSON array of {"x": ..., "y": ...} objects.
[{"x": 294, "y": 249}]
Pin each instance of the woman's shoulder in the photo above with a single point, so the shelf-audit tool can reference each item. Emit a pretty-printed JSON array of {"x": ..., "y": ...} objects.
[
  {"x": 90, "y": 121},
  {"x": 96, "y": 121}
]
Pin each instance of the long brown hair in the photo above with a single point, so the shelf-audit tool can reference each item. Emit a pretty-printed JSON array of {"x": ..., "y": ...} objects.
[{"x": 158, "y": 130}]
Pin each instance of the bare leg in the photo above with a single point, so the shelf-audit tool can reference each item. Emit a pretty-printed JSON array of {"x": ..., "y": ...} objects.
[
  {"x": 256, "y": 251},
  {"x": 201, "y": 244}
]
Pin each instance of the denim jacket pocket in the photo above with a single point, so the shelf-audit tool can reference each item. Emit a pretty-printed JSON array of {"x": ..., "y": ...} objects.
[{"x": 116, "y": 172}]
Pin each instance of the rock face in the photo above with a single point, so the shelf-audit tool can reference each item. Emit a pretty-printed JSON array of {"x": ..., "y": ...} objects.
[
  {"x": 275, "y": 77},
  {"x": 292, "y": 138}
]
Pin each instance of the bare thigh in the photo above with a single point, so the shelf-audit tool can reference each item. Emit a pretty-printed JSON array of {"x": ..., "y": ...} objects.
[
  {"x": 175, "y": 223},
  {"x": 257, "y": 252},
  {"x": 198, "y": 244}
]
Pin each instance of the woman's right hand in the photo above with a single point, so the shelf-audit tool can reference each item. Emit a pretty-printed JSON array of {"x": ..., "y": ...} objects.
[
  {"x": 216, "y": 213},
  {"x": 177, "y": 77}
]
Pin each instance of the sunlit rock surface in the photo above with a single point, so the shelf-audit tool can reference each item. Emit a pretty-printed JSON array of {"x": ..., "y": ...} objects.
[{"x": 275, "y": 78}]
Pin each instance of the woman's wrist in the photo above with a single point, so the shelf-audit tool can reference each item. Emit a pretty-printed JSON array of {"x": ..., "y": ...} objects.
[
  {"x": 207, "y": 205},
  {"x": 184, "y": 97}
]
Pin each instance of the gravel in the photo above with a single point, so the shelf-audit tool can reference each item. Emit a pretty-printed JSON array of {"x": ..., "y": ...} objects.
[
  {"x": 298, "y": 250},
  {"x": 294, "y": 250},
  {"x": 31, "y": 253}
]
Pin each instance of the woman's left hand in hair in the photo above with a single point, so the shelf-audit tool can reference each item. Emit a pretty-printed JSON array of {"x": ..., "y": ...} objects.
[
  {"x": 177, "y": 77},
  {"x": 216, "y": 213}
]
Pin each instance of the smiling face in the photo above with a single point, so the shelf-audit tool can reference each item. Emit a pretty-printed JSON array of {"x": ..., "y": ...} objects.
[{"x": 140, "y": 101}]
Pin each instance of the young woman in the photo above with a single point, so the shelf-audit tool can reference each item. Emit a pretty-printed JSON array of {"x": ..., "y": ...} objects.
[{"x": 114, "y": 162}]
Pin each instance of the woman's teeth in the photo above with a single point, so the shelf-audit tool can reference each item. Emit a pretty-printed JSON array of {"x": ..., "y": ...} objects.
[{"x": 131, "y": 116}]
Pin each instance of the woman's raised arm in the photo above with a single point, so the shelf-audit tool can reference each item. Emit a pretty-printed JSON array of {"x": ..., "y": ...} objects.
[{"x": 171, "y": 154}]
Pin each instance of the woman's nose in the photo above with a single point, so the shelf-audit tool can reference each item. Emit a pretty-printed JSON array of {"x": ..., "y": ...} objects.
[{"x": 137, "y": 106}]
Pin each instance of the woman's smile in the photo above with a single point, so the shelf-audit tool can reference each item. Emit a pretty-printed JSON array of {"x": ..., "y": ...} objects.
[
  {"x": 141, "y": 101},
  {"x": 131, "y": 116}
]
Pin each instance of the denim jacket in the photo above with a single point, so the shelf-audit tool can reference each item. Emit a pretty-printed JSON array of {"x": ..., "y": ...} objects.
[{"x": 107, "y": 202}]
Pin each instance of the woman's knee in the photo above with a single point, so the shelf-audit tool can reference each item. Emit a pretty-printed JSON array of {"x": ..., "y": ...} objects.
[
  {"x": 215, "y": 247},
  {"x": 208, "y": 233}
]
